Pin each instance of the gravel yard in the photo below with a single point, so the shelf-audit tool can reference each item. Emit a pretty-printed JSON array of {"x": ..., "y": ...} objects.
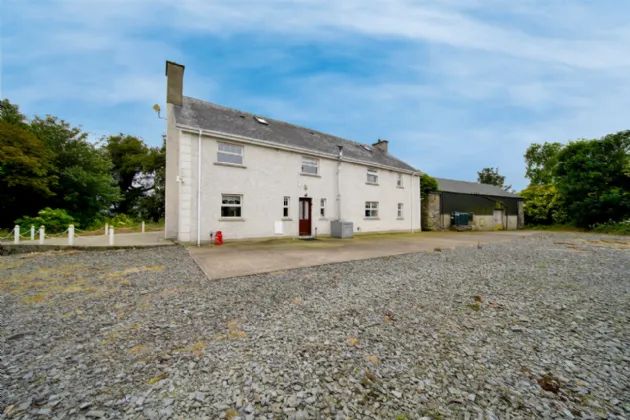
[{"x": 534, "y": 328}]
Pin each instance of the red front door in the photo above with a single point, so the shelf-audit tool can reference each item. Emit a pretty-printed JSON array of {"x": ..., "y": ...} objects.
[{"x": 305, "y": 216}]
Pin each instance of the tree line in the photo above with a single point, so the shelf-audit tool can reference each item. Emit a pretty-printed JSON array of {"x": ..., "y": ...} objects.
[
  {"x": 584, "y": 183},
  {"x": 50, "y": 169}
]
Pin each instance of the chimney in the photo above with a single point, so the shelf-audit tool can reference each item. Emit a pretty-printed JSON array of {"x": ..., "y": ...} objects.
[
  {"x": 174, "y": 83},
  {"x": 381, "y": 144}
]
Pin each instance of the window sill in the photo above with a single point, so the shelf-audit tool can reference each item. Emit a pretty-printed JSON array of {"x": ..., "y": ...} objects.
[
  {"x": 371, "y": 218},
  {"x": 372, "y": 183},
  {"x": 233, "y": 165},
  {"x": 286, "y": 219},
  {"x": 231, "y": 219},
  {"x": 398, "y": 186},
  {"x": 313, "y": 175},
  {"x": 400, "y": 218}
]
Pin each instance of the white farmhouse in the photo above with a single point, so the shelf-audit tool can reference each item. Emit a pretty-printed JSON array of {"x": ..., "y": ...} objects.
[{"x": 253, "y": 177}]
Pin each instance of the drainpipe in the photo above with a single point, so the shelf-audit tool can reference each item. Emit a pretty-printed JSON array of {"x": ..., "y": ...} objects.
[
  {"x": 411, "y": 199},
  {"x": 442, "y": 211},
  {"x": 420, "y": 199},
  {"x": 199, "y": 189},
  {"x": 339, "y": 183}
]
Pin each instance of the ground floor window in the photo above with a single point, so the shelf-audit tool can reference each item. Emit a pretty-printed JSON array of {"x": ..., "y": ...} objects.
[
  {"x": 322, "y": 207},
  {"x": 400, "y": 210},
  {"x": 231, "y": 205},
  {"x": 371, "y": 209},
  {"x": 285, "y": 208}
]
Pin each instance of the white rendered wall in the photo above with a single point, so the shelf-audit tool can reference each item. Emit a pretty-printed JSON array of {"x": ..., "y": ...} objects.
[{"x": 270, "y": 174}]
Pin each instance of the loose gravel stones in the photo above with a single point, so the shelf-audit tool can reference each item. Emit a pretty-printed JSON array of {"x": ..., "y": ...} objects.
[{"x": 538, "y": 327}]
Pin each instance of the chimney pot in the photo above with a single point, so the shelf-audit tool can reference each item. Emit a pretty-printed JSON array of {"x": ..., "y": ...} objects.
[{"x": 174, "y": 83}]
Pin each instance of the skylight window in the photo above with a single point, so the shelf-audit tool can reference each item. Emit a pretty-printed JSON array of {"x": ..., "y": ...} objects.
[
  {"x": 261, "y": 120},
  {"x": 366, "y": 148}
]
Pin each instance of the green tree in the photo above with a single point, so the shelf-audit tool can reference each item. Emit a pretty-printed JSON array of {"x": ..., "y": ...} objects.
[
  {"x": 592, "y": 179},
  {"x": 427, "y": 185},
  {"x": 135, "y": 169},
  {"x": 151, "y": 205},
  {"x": 10, "y": 113},
  {"x": 26, "y": 172},
  {"x": 491, "y": 176},
  {"x": 543, "y": 204},
  {"x": 85, "y": 187},
  {"x": 540, "y": 160}
]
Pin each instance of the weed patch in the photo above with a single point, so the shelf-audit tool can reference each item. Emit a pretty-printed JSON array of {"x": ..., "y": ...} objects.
[
  {"x": 234, "y": 332},
  {"x": 373, "y": 359},
  {"x": 156, "y": 379},
  {"x": 139, "y": 349},
  {"x": 35, "y": 298},
  {"x": 133, "y": 270},
  {"x": 353, "y": 341}
]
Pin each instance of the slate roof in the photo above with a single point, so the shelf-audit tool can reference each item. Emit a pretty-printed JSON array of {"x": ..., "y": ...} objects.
[
  {"x": 465, "y": 187},
  {"x": 207, "y": 116}
]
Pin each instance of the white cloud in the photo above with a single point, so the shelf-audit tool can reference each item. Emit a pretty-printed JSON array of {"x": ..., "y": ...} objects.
[{"x": 454, "y": 84}]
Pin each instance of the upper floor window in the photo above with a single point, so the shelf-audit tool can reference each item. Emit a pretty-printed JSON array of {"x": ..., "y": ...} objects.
[
  {"x": 310, "y": 166},
  {"x": 372, "y": 176},
  {"x": 230, "y": 153},
  {"x": 399, "y": 181}
]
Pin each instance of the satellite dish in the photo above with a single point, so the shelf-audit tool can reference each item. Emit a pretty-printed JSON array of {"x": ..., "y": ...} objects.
[{"x": 156, "y": 108}]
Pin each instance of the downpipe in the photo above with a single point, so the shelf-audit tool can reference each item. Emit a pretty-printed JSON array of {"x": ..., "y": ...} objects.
[{"x": 199, "y": 190}]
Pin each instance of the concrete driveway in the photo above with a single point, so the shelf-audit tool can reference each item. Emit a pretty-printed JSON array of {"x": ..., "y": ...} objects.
[{"x": 255, "y": 257}]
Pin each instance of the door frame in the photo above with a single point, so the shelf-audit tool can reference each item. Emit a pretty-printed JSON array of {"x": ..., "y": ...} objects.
[
  {"x": 502, "y": 218},
  {"x": 309, "y": 203}
]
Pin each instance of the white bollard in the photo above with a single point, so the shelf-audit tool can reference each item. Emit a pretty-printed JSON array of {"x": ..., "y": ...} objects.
[
  {"x": 71, "y": 235},
  {"x": 16, "y": 234},
  {"x": 143, "y": 227},
  {"x": 111, "y": 236},
  {"x": 42, "y": 232},
  {"x": 32, "y": 233},
  {"x": 106, "y": 229}
]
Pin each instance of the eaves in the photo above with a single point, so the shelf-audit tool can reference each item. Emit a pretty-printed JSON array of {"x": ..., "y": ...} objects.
[{"x": 263, "y": 143}]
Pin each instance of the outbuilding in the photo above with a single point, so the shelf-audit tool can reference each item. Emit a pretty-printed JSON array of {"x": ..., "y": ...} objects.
[{"x": 463, "y": 205}]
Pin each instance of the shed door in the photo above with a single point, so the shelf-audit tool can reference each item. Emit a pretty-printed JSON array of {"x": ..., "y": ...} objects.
[
  {"x": 305, "y": 216},
  {"x": 497, "y": 217}
]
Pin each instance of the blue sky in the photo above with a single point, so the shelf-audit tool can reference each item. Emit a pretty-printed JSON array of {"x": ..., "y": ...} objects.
[{"x": 454, "y": 85}]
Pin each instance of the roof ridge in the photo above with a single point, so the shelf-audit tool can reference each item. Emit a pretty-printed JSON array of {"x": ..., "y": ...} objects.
[{"x": 469, "y": 182}]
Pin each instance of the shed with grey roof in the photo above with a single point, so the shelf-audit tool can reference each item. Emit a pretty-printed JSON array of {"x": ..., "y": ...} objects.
[{"x": 486, "y": 207}]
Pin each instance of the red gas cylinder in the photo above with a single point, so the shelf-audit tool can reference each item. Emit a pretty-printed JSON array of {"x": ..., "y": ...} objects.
[{"x": 218, "y": 240}]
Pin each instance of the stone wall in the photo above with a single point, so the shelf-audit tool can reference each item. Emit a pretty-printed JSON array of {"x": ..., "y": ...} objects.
[{"x": 431, "y": 212}]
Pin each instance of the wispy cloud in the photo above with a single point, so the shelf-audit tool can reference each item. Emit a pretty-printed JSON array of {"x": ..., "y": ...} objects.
[{"x": 455, "y": 85}]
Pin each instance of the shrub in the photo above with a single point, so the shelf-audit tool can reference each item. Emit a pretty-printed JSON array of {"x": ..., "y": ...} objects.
[
  {"x": 618, "y": 228},
  {"x": 55, "y": 220},
  {"x": 543, "y": 205},
  {"x": 117, "y": 221}
]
